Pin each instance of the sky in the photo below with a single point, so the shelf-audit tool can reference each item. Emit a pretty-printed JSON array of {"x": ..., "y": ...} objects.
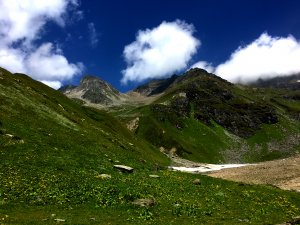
[{"x": 128, "y": 42}]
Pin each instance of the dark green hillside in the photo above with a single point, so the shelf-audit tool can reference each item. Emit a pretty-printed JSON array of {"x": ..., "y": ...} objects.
[
  {"x": 35, "y": 116},
  {"x": 209, "y": 119},
  {"x": 44, "y": 134}
]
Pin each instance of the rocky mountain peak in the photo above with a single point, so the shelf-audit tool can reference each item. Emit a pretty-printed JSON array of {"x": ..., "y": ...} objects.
[
  {"x": 94, "y": 90},
  {"x": 89, "y": 82}
]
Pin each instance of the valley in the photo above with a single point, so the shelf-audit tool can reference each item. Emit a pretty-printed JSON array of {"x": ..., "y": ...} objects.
[{"x": 59, "y": 154}]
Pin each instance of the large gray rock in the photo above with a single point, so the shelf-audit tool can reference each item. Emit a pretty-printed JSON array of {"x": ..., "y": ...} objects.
[{"x": 126, "y": 169}]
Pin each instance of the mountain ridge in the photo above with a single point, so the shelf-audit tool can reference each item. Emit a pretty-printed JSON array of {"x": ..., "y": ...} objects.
[
  {"x": 291, "y": 82},
  {"x": 93, "y": 89}
]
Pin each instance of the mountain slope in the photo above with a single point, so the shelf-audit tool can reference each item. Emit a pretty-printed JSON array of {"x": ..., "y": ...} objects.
[
  {"x": 205, "y": 118},
  {"x": 43, "y": 133}
]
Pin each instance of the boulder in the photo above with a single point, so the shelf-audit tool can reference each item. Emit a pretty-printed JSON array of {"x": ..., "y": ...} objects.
[
  {"x": 126, "y": 169},
  {"x": 197, "y": 182},
  {"x": 60, "y": 220},
  {"x": 154, "y": 176},
  {"x": 144, "y": 202},
  {"x": 103, "y": 176}
]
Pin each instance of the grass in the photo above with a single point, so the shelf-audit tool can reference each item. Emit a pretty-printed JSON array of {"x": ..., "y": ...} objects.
[
  {"x": 178, "y": 201},
  {"x": 53, "y": 150}
]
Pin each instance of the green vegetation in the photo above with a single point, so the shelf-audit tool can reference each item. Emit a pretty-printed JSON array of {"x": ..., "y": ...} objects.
[
  {"x": 210, "y": 120},
  {"x": 87, "y": 200},
  {"x": 53, "y": 151}
]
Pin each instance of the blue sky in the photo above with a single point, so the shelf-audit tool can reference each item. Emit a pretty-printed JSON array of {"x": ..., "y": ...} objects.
[{"x": 60, "y": 42}]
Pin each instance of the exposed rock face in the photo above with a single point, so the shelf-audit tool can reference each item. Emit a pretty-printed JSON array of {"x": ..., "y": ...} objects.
[
  {"x": 133, "y": 124},
  {"x": 94, "y": 90}
]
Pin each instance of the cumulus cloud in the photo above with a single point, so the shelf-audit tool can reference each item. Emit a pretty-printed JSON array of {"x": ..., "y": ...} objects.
[
  {"x": 12, "y": 59},
  {"x": 204, "y": 65},
  {"x": 160, "y": 51},
  {"x": 53, "y": 84},
  {"x": 265, "y": 57},
  {"x": 55, "y": 66},
  {"x": 24, "y": 19},
  {"x": 93, "y": 35},
  {"x": 21, "y": 23}
]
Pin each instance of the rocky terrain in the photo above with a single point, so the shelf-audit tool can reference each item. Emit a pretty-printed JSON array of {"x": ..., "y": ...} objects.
[
  {"x": 93, "y": 90},
  {"x": 283, "y": 173}
]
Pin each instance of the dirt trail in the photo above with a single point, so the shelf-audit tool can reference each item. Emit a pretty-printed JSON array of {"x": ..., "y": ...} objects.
[{"x": 283, "y": 173}]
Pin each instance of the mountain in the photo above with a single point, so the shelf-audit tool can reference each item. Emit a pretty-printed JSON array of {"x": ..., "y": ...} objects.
[
  {"x": 93, "y": 90},
  {"x": 291, "y": 82},
  {"x": 155, "y": 86},
  {"x": 246, "y": 124},
  {"x": 59, "y": 159}
]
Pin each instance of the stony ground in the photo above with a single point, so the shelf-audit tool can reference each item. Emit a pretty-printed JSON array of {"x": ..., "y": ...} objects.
[{"x": 284, "y": 173}]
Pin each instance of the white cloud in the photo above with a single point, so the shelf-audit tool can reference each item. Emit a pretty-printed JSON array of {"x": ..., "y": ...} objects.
[
  {"x": 204, "y": 65},
  {"x": 21, "y": 23},
  {"x": 265, "y": 57},
  {"x": 93, "y": 35},
  {"x": 12, "y": 59},
  {"x": 24, "y": 19},
  {"x": 159, "y": 52},
  {"x": 53, "y": 84},
  {"x": 55, "y": 65}
]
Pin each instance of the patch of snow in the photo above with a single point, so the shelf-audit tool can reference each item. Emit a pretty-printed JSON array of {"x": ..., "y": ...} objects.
[{"x": 206, "y": 168}]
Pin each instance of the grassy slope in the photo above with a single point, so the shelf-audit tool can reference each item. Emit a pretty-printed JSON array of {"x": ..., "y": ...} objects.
[
  {"x": 199, "y": 141},
  {"x": 52, "y": 150}
]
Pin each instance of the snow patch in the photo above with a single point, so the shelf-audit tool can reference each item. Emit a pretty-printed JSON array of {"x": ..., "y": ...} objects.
[{"x": 206, "y": 168}]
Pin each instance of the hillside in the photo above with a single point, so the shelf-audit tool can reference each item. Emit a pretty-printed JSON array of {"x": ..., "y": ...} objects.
[
  {"x": 246, "y": 124},
  {"x": 58, "y": 157},
  {"x": 184, "y": 113}
]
